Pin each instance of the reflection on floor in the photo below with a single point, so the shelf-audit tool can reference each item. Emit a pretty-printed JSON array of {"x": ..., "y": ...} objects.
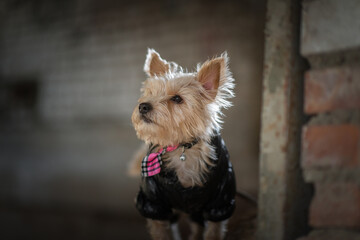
[
  {"x": 61, "y": 223},
  {"x": 19, "y": 222}
]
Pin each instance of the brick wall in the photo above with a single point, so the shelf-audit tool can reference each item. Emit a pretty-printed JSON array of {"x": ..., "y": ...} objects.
[{"x": 331, "y": 139}]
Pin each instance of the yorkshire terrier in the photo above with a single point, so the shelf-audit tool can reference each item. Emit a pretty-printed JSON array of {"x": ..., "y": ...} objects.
[{"x": 186, "y": 164}]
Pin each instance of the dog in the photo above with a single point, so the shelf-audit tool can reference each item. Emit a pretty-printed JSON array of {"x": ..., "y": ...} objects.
[{"x": 185, "y": 166}]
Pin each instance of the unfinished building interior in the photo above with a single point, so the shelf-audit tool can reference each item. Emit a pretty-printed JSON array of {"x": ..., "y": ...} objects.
[{"x": 70, "y": 74}]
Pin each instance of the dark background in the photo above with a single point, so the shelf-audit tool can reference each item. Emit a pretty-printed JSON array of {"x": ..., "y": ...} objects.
[{"x": 70, "y": 74}]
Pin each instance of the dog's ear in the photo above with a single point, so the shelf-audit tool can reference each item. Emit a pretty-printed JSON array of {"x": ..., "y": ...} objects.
[
  {"x": 212, "y": 74},
  {"x": 155, "y": 65}
]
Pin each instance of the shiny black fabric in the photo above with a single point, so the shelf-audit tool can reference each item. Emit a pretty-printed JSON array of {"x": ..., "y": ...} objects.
[{"x": 214, "y": 201}]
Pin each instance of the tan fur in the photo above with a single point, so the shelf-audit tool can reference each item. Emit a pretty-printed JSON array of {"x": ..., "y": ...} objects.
[
  {"x": 173, "y": 123},
  {"x": 204, "y": 94},
  {"x": 208, "y": 75},
  {"x": 159, "y": 230},
  {"x": 214, "y": 231},
  {"x": 155, "y": 65},
  {"x": 197, "y": 231}
]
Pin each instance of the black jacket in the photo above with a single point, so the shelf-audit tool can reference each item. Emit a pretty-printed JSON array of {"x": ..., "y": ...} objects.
[{"x": 214, "y": 201}]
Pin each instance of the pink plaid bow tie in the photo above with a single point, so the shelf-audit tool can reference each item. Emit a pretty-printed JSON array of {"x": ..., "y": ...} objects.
[{"x": 151, "y": 164}]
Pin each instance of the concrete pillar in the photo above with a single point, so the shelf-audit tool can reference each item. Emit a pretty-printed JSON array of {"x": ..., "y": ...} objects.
[{"x": 283, "y": 195}]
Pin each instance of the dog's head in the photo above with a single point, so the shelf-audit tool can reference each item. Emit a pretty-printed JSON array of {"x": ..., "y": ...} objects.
[{"x": 177, "y": 106}]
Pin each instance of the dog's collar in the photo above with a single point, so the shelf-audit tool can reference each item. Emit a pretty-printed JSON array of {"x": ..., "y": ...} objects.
[
  {"x": 151, "y": 164},
  {"x": 189, "y": 145},
  {"x": 186, "y": 145}
]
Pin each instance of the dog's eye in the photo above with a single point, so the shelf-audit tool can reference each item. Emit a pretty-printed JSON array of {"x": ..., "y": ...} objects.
[{"x": 177, "y": 99}]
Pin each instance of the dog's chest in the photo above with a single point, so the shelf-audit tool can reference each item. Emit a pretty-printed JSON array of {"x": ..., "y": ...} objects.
[{"x": 191, "y": 171}]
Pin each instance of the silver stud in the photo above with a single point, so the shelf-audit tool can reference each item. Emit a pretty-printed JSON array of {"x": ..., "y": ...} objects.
[{"x": 183, "y": 157}]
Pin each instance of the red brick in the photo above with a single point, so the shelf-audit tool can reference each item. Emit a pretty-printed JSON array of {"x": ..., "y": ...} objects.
[
  {"x": 330, "y": 89},
  {"x": 332, "y": 234},
  {"x": 336, "y": 205},
  {"x": 330, "y": 146}
]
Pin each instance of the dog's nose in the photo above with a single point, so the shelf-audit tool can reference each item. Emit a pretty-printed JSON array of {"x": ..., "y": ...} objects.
[{"x": 145, "y": 108}]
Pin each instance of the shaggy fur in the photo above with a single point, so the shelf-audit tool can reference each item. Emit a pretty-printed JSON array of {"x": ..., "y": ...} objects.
[{"x": 204, "y": 93}]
